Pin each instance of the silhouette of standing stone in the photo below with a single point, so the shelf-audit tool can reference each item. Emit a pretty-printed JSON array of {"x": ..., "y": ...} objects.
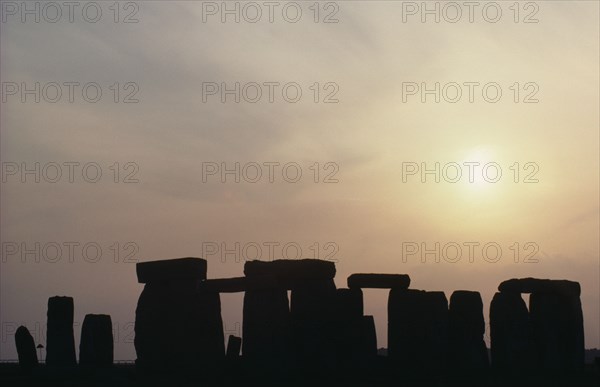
[
  {"x": 557, "y": 328},
  {"x": 96, "y": 344},
  {"x": 312, "y": 306},
  {"x": 348, "y": 304},
  {"x": 234, "y": 344},
  {"x": 467, "y": 349},
  {"x": 178, "y": 325},
  {"x": 379, "y": 281},
  {"x": 312, "y": 301},
  {"x": 417, "y": 328},
  {"x": 556, "y": 324},
  {"x": 60, "y": 343},
  {"x": 25, "y": 348},
  {"x": 368, "y": 338},
  {"x": 510, "y": 334},
  {"x": 349, "y": 328},
  {"x": 266, "y": 327}
]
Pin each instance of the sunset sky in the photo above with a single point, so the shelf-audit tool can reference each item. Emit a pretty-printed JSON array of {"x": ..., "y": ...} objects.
[{"x": 358, "y": 209}]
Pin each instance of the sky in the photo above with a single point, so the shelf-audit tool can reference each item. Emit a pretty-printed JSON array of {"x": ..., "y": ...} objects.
[{"x": 461, "y": 151}]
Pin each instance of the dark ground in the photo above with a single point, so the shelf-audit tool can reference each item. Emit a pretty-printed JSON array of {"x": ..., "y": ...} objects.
[{"x": 127, "y": 375}]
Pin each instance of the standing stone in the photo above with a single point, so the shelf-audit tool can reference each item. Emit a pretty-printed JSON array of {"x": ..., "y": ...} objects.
[
  {"x": 303, "y": 331},
  {"x": 348, "y": 304},
  {"x": 60, "y": 342},
  {"x": 417, "y": 329},
  {"x": 25, "y": 348},
  {"x": 312, "y": 311},
  {"x": 510, "y": 334},
  {"x": 234, "y": 344},
  {"x": 349, "y": 328},
  {"x": 436, "y": 335},
  {"x": 96, "y": 344},
  {"x": 313, "y": 299},
  {"x": 556, "y": 323},
  {"x": 557, "y": 329},
  {"x": 467, "y": 350},
  {"x": 266, "y": 326},
  {"x": 368, "y": 348},
  {"x": 178, "y": 326}
]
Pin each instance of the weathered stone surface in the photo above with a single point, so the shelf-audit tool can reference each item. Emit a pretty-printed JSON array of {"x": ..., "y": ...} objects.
[
  {"x": 60, "y": 342},
  {"x": 510, "y": 330},
  {"x": 96, "y": 343},
  {"x": 234, "y": 344},
  {"x": 178, "y": 326},
  {"x": 379, "y": 281},
  {"x": 267, "y": 325},
  {"x": 467, "y": 350},
  {"x": 557, "y": 331},
  {"x": 25, "y": 348},
  {"x": 534, "y": 285},
  {"x": 417, "y": 328},
  {"x": 171, "y": 270},
  {"x": 291, "y": 270}
]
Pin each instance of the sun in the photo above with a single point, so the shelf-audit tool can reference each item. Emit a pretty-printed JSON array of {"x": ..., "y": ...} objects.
[{"x": 480, "y": 170}]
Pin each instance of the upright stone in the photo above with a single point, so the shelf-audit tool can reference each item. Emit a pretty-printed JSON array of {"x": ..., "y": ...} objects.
[
  {"x": 417, "y": 326},
  {"x": 556, "y": 321},
  {"x": 349, "y": 328},
  {"x": 312, "y": 311},
  {"x": 348, "y": 304},
  {"x": 306, "y": 326},
  {"x": 510, "y": 334},
  {"x": 96, "y": 343},
  {"x": 25, "y": 348},
  {"x": 557, "y": 329},
  {"x": 234, "y": 344},
  {"x": 368, "y": 348},
  {"x": 60, "y": 342},
  {"x": 467, "y": 350},
  {"x": 266, "y": 326},
  {"x": 178, "y": 325}
]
